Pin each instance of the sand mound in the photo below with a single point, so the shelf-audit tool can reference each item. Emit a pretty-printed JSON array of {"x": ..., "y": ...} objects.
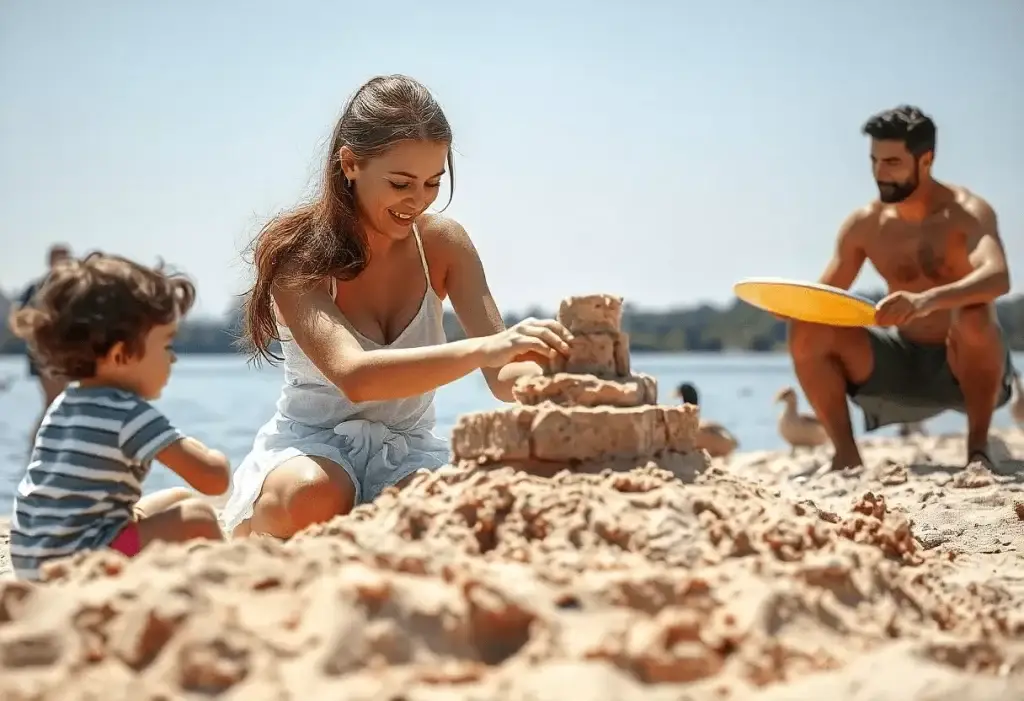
[
  {"x": 580, "y": 548},
  {"x": 500, "y": 584}
]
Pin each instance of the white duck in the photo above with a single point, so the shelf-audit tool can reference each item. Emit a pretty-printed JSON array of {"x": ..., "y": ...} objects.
[
  {"x": 1017, "y": 401},
  {"x": 799, "y": 430}
]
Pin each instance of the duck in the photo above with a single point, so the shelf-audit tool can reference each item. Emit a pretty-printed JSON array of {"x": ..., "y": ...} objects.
[
  {"x": 711, "y": 436},
  {"x": 912, "y": 428},
  {"x": 716, "y": 439},
  {"x": 1017, "y": 401},
  {"x": 799, "y": 430}
]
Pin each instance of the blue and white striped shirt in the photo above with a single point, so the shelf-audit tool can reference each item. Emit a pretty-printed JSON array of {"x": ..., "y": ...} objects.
[{"x": 92, "y": 452}]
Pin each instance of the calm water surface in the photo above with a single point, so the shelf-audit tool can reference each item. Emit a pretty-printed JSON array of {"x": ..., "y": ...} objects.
[{"x": 222, "y": 402}]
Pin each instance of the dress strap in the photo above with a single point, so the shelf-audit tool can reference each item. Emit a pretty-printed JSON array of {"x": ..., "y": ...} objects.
[
  {"x": 423, "y": 262},
  {"x": 423, "y": 256}
]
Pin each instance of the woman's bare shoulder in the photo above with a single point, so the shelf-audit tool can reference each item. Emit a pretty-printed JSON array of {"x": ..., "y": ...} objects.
[
  {"x": 445, "y": 241},
  {"x": 441, "y": 230}
]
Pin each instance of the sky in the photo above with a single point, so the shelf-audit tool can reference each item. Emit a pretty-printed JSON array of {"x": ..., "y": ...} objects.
[{"x": 657, "y": 150}]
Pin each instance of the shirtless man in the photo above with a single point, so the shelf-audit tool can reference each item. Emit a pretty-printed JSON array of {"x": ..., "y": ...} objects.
[{"x": 938, "y": 345}]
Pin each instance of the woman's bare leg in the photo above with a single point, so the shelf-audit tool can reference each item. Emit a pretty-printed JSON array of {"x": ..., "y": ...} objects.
[{"x": 297, "y": 493}]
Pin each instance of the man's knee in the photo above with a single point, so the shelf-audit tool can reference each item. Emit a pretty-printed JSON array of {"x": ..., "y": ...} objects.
[
  {"x": 974, "y": 326},
  {"x": 815, "y": 340},
  {"x": 805, "y": 339}
]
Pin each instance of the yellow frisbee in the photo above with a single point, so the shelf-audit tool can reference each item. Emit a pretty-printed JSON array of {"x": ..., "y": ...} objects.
[{"x": 807, "y": 301}]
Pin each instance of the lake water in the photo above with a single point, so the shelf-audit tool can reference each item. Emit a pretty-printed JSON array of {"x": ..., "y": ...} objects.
[{"x": 222, "y": 401}]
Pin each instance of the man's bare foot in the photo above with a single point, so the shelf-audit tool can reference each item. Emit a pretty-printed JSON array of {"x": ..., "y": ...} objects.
[
  {"x": 846, "y": 461},
  {"x": 979, "y": 456},
  {"x": 840, "y": 463}
]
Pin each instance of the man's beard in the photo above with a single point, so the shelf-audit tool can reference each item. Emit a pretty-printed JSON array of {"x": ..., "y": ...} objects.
[{"x": 891, "y": 193}]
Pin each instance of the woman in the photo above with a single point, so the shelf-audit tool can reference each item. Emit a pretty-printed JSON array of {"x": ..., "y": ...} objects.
[{"x": 351, "y": 284}]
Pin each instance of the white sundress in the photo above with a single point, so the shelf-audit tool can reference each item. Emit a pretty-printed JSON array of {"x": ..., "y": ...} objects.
[{"x": 377, "y": 443}]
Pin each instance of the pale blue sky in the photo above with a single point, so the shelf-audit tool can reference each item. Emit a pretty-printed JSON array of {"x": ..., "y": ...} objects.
[{"x": 658, "y": 150}]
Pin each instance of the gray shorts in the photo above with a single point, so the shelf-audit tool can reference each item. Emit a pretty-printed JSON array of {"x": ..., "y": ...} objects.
[{"x": 912, "y": 381}]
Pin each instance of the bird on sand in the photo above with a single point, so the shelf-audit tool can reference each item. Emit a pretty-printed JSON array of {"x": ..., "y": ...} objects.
[
  {"x": 712, "y": 437},
  {"x": 913, "y": 428},
  {"x": 799, "y": 430},
  {"x": 1017, "y": 401}
]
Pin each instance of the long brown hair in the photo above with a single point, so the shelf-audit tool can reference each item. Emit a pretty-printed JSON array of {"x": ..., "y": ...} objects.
[{"x": 323, "y": 237}]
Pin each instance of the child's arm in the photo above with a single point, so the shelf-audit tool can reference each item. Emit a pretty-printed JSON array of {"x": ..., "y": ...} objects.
[
  {"x": 147, "y": 434},
  {"x": 207, "y": 470}
]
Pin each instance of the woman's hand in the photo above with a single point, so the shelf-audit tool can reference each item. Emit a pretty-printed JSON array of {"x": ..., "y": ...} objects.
[{"x": 531, "y": 339}]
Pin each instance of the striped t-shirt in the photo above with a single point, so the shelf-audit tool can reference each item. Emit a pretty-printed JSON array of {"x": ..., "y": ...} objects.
[{"x": 92, "y": 452}]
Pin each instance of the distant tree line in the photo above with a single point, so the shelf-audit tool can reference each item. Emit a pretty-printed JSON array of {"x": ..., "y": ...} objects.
[{"x": 706, "y": 328}]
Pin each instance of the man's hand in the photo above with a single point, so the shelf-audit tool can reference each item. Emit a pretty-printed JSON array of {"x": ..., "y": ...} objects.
[{"x": 900, "y": 308}]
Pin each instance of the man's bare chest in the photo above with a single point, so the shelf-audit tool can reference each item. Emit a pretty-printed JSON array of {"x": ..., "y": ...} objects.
[{"x": 917, "y": 255}]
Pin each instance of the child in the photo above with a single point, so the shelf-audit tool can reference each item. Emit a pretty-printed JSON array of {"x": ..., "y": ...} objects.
[{"x": 106, "y": 324}]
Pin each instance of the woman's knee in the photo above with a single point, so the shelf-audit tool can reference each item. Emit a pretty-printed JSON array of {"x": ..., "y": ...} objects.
[{"x": 301, "y": 492}]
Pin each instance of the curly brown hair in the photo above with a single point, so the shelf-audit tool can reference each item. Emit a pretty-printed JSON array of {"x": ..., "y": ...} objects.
[
  {"x": 86, "y": 306},
  {"x": 323, "y": 237}
]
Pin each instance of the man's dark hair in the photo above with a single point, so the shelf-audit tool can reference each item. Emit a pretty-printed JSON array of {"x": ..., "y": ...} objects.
[
  {"x": 86, "y": 306},
  {"x": 688, "y": 393},
  {"x": 904, "y": 123}
]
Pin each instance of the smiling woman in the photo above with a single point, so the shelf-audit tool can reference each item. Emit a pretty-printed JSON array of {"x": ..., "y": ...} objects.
[{"x": 352, "y": 283}]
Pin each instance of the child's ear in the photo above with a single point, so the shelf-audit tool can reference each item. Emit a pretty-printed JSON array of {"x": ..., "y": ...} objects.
[{"x": 116, "y": 355}]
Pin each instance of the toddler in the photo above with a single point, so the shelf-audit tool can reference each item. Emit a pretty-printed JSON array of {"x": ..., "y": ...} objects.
[{"x": 106, "y": 324}]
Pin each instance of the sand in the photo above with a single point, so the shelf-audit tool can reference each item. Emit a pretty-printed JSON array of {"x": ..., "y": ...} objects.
[{"x": 756, "y": 580}]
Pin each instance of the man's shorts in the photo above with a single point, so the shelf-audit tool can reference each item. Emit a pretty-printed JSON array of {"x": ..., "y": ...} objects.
[{"x": 912, "y": 381}]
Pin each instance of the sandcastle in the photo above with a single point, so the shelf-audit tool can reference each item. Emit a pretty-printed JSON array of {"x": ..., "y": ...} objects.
[{"x": 587, "y": 413}]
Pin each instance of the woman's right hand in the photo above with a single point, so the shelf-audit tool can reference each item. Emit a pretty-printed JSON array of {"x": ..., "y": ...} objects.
[{"x": 531, "y": 339}]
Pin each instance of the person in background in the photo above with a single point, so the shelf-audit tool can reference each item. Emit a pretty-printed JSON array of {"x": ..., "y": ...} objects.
[
  {"x": 712, "y": 437},
  {"x": 50, "y": 386},
  {"x": 106, "y": 324},
  {"x": 351, "y": 284}
]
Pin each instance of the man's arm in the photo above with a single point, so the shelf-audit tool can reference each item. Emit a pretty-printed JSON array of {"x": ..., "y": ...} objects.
[
  {"x": 849, "y": 255},
  {"x": 989, "y": 277}
]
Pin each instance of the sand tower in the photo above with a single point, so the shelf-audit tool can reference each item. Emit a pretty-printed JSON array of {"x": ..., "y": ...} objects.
[{"x": 588, "y": 413}]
